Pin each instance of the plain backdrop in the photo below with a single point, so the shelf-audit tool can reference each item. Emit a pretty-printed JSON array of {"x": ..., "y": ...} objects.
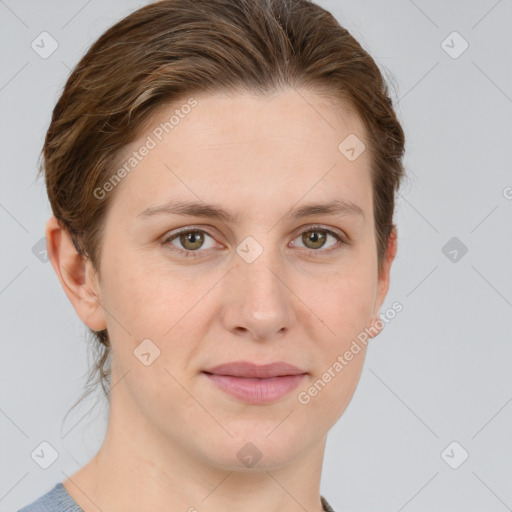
[{"x": 429, "y": 427}]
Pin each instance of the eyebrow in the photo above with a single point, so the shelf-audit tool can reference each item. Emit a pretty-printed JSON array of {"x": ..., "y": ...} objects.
[{"x": 201, "y": 209}]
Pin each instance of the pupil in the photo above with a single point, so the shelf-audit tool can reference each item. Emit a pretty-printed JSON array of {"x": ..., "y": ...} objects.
[
  {"x": 316, "y": 238},
  {"x": 193, "y": 238}
]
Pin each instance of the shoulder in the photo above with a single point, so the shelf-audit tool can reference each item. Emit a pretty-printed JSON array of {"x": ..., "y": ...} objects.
[
  {"x": 325, "y": 505},
  {"x": 55, "y": 500}
]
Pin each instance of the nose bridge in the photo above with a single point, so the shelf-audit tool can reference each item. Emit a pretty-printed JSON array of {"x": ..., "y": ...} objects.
[{"x": 260, "y": 301}]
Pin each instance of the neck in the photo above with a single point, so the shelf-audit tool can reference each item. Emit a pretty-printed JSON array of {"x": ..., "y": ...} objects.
[{"x": 137, "y": 468}]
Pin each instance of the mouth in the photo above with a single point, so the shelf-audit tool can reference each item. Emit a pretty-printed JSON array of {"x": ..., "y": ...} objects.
[{"x": 256, "y": 384}]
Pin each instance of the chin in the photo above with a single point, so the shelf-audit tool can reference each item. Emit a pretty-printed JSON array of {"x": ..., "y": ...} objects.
[
  {"x": 264, "y": 461},
  {"x": 254, "y": 450}
]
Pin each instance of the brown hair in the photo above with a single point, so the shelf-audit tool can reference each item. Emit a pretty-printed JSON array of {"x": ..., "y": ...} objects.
[{"x": 174, "y": 48}]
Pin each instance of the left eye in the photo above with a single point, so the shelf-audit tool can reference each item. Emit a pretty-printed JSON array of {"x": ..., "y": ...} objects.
[
  {"x": 191, "y": 240},
  {"x": 317, "y": 237}
]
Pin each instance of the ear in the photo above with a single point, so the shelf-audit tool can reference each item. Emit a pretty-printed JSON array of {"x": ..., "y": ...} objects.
[
  {"x": 383, "y": 278},
  {"x": 76, "y": 275}
]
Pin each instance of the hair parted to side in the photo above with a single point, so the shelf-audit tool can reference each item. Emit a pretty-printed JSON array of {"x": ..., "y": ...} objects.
[{"x": 171, "y": 49}]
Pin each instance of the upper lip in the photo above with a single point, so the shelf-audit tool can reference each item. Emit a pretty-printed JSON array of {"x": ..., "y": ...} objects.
[{"x": 248, "y": 369}]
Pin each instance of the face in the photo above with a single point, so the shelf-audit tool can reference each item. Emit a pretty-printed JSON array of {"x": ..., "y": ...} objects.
[{"x": 267, "y": 280}]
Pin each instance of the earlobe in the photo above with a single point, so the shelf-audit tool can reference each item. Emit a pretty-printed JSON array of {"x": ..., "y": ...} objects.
[
  {"x": 383, "y": 280},
  {"x": 376, "y": 327},
  {"x": 76, "y": 275}
]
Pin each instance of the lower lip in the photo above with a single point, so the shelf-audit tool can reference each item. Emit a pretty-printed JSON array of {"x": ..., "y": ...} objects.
[{"x": 257, "y": 391}]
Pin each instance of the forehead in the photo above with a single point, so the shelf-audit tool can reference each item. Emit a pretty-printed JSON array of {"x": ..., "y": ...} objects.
[
  {"x": 244, "y": 117},
  {"x": 240, "y": 146}
]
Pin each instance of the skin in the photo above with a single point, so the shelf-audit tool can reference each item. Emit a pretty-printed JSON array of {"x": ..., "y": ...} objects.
[{"x": 172, "y": 436}]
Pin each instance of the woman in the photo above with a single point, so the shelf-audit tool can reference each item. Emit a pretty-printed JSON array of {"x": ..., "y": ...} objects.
[{"x": 222, "y": 176}]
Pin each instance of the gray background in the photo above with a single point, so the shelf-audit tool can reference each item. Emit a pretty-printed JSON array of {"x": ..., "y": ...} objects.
[{"x": 439, "y": 372}]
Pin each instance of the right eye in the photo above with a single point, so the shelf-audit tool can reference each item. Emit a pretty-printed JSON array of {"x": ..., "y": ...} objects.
[{"x": 190, "y": 239}]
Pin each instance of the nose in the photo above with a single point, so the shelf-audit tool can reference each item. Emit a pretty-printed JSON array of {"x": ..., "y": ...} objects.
[{"x": 258, "y": 301}]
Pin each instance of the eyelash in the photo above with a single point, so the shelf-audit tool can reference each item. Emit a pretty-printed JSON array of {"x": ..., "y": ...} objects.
[{"x": 194, "y": 254}]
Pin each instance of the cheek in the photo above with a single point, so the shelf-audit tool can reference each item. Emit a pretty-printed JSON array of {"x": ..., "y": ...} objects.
[
  {"x": 344, "y": 302},
  {"x": 328, "y": 393},
  {"x": 346, "y": 307},
  {"x": 138, "y": 292},
  {"x": 145, "y": 301},
  {"x": 341, "y": 351}
]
